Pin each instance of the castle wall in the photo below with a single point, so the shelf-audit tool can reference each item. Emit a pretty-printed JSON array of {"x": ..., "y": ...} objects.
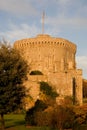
[
  {"x": 55, "y": 58},
  {"x": 61, "y": 82}
]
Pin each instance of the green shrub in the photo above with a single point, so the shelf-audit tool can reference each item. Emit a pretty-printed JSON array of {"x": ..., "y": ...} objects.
[
  {"x": 80, "y": 115},
  {"x": 59, "y": 117},
  {"x": 62, "y": 117},
  {"x": 43, "y": 118},
  {"x": 31, "y": 113}
]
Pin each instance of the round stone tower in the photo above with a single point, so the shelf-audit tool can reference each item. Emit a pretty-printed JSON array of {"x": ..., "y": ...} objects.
[
  {"x": 48, "y": 54},
  {"x": 55, "y": 58}
]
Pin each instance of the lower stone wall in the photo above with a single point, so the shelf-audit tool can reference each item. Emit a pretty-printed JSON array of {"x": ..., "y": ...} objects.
[{"x": 62, "y": 82}]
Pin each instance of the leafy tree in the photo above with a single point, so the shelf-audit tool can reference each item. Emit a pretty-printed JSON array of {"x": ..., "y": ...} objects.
[{"x": 13, "y": 70}]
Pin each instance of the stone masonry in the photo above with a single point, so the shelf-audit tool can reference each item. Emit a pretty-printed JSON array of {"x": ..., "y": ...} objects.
[{"x": 55, "y": 58}]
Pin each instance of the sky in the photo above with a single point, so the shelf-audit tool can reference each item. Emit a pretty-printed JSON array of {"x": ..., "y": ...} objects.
[{"x": 67, "y": 19}]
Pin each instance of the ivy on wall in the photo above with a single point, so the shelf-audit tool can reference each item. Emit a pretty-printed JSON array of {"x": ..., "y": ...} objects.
[{"x": 47, "y": 89}]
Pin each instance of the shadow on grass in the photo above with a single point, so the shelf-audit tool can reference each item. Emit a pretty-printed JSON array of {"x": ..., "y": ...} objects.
[
  {"x": 7, "y": 120},
  {"x": 19, "y": 123},
  {"x": 16, "y": 123}
]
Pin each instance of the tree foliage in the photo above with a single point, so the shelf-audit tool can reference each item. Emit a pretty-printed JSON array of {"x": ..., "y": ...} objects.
[
  {"x": 81, "y": 114},
  {"x": 13, "y": 70},
  {"x": 48, "y": 90},
  {"x": 62, "y": 117},
  {"x": 31, "y": 113}
]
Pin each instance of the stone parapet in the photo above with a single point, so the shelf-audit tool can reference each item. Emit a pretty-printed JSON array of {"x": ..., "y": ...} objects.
[{"x": 45, "y": 40}]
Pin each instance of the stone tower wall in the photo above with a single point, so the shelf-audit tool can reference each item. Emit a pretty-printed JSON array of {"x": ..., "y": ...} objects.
[
  {"x": 48, "y": 54},
  {"x": 55, "y": 58}
]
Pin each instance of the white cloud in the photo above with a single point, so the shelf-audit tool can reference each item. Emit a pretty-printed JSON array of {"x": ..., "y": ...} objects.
[
  {"x": 71, "y": 13},
  {"x": 64, "y": 2},
  {"x": 24, "y": 30},
  {"x": 21, "y": 31},
  {"x": 82, "y": 64},
  {"x": 18, "y": 7},
  {"x": 62, "y": 21}
]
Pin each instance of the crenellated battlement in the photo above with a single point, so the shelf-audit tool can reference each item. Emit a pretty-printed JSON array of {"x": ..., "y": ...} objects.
[{"x": 45, "y": 40}]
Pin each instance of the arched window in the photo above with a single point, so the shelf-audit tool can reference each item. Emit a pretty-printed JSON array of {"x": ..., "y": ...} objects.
[{"x": 36, "y": 72}]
